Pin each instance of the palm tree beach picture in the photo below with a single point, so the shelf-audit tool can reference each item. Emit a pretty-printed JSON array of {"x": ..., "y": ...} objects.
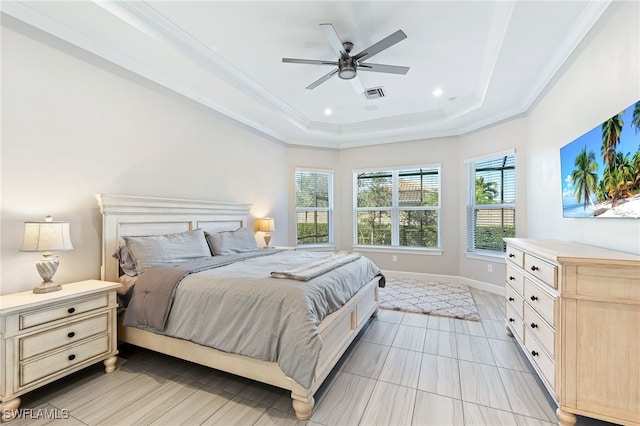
[{"x": 601, "y": 169}]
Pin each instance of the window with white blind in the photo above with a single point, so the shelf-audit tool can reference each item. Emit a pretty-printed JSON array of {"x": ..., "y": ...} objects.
[
  {"x": 314, "y": 207},
  {"x": 491, "y": 208},
  {"x": 397, "y": 208}
]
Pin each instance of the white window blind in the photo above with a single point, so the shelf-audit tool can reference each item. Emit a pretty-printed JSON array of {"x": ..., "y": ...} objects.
[
  {"x": 491, "y": 211},
  {"x": 314, "y": 207}
]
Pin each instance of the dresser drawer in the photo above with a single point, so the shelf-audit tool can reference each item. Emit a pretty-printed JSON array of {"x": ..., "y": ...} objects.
[
  {"x": 65, "y": 310},
  {"x": 59, "y": 361},
  {"x": 515, "y": 278},
  {"x": 69, "y": 333},
  {"x": 539, "y": 300},
  {"x": 542, "y": 270},
  {"x": 540, "y": 358},
  {"x": 514, "y": 255},
  {"x": 515, "y": 323},
  {"x": 515, "y": 301},
  {"x": 540, "y": 329}
]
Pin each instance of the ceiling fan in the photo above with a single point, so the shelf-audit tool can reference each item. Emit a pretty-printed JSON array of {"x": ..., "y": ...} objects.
[{"x": 347, "y": 65}]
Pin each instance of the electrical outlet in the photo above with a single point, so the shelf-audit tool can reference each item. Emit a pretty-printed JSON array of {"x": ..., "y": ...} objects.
[
  {"x": 394, "y": 258},
  {"x": 490, "y": 267}
]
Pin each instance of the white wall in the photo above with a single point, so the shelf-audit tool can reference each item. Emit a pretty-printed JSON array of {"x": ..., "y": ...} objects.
[
  {"x": 71, "y": 129},
  {"x": 603, "y": 78}
]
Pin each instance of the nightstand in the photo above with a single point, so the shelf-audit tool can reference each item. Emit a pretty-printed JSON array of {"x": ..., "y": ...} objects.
[{"x": 44, "y": 337}]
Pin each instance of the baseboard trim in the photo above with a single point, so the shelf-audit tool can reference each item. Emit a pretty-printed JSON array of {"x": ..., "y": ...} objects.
[{"x": 449, "y": 279}]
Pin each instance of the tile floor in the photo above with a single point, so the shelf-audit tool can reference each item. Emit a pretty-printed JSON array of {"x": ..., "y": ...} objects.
[{"x": 404, "y": 369}]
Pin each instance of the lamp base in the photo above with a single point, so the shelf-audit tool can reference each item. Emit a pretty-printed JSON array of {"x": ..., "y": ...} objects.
[
  {"x": 47, "y": 287},
  {"x": 267, "y": 239}
]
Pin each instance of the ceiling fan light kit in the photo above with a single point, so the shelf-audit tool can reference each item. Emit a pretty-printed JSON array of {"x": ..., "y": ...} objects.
[{"x": 347, "y": 65}]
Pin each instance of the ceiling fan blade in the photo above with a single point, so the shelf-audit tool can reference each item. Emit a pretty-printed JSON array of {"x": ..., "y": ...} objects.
[
  {"x": 380, "y": 46},
  {"x": 391, "y": 69},
  {"x": 308, "y": 61},
  {"x": 357, "y": 85},
  {"x": 333, "y": 38},
  {"x": 321, "y": 80}
]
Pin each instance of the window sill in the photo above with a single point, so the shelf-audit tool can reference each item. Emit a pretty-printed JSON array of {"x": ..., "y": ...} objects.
[
  {"x": 486, "y": 256},
  {"x": 400, "y": 250},
  {"x": 312, "y": 247}
]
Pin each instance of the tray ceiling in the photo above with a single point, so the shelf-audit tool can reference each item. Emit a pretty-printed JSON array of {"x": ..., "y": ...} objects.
[{"x": 490, "y": 59}]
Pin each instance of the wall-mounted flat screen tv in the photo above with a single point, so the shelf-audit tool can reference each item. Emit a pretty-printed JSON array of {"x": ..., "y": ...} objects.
[{"x": 601, "y": 169}]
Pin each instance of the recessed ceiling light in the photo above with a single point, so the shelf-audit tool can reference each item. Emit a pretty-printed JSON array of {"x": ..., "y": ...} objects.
[
  {"x": 328, "y": 111},
  {"x": 437, "y": 92}
]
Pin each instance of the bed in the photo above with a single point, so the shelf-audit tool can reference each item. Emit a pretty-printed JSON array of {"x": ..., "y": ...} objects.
[{"x": 125, "y": 216}]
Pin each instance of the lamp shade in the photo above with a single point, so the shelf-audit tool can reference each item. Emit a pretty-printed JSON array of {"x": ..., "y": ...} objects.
[
  {"x": 266, "y": 224},
  {"x": 46, "y": 236}
]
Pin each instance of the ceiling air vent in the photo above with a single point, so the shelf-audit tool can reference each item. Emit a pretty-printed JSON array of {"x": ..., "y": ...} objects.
[{"x": 374, "y": 93}]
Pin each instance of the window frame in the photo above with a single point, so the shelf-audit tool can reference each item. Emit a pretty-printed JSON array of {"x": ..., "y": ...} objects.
[
  {"x": 471, "y": 250},
  {"x": 331, "y": 179},
  {"x": 395, "y": 209}
]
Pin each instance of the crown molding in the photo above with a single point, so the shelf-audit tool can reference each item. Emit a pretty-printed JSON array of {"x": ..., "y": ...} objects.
[
  {"x": 148, "y": 20},
  {"x": 579, "y": 31}
]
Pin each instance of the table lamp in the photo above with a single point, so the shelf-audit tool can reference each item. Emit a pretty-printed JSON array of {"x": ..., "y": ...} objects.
[
  {"x": 46, "y": 236},
  {"x": 266, "y": 225}
]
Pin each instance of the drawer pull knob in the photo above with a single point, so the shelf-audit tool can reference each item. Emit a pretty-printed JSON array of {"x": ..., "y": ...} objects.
[
  {"x": 511, "y": 299},
  {"x": 534, "y": 353},
  {"x": 535, "y": 268},
  {"x": 534, "y": 325},
  {"x": 72, "y": 357},
  {"x": 71, "y": 334},
  {"x": 534, "y": 298},
  {"x": 512, "y": 278},
  {"x": 511, "y": 320},
  {"x": 71, "y": 310},
  {"x": 512, "y": 255}
]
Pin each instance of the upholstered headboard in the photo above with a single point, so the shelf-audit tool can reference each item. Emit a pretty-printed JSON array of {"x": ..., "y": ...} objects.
[{"x": 126, "y": 215}]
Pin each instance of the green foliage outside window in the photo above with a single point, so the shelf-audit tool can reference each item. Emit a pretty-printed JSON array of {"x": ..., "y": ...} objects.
[{"x": 416, "y": 207}]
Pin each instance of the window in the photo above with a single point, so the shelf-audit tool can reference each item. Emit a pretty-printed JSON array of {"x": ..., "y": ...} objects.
[
  {"x": 491, "y": 209},
  {"x": 397, "y": 208},
  {"x": 314, "y": 207}
]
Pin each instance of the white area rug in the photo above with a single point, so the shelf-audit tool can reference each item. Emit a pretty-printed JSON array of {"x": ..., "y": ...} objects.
[{"x": 429, "y": 298}]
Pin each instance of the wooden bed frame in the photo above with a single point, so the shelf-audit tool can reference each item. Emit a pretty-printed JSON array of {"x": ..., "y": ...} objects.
[{"x": 124, "y": 215}]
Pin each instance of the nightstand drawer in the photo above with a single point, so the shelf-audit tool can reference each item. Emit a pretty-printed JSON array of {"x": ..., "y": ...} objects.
[
  {"x": 64, "y": 335},
  {"x": 66, "y": 310},
  {"x": 61, "y": 360},
  {"x": 542, "y": 270},
  {"x": 540, "y": 300}
]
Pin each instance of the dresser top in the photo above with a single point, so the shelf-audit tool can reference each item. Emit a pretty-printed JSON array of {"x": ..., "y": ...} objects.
[
  {"x": 566, "y": 251},
  {"x": 13, "y": 302}
]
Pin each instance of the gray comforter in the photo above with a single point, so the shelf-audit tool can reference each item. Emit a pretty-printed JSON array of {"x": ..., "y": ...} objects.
[{"x": 240, "y": 308}]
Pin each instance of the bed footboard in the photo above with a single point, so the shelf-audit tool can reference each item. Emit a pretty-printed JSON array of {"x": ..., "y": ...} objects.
[{"x": 337, "y": 330}]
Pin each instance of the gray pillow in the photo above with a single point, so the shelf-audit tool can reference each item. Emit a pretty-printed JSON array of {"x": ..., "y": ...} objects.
[
  {"x": 127, "y": 263},
  {"x": 156, "y": 250},
  {"x": 228, "y": 242}
]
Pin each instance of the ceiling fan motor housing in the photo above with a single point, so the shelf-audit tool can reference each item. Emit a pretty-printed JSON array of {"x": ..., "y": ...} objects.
[{"x": 347, "y": 68}]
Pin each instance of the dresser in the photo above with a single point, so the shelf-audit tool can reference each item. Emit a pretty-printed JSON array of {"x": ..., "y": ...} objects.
[
  {"x": 575, "y": 311},
  {"x": 44, "y": 337}
]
